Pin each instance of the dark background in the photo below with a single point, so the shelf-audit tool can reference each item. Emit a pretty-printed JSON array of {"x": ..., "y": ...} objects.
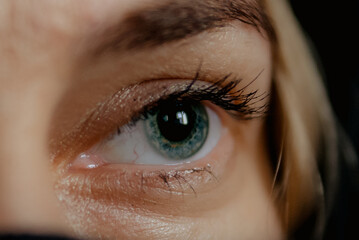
[{"x": 333, "y": 28}]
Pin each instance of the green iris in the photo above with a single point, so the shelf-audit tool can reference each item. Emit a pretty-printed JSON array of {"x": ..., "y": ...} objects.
[{"x": 177, "y": 129}]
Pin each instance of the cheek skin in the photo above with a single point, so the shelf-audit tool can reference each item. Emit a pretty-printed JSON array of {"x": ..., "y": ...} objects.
[
  {"x": 252, "y": 212},
  {"x": 236, "y": 204}
]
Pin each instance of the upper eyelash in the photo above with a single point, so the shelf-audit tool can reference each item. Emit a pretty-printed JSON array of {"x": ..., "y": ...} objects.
[
  {"x": 222, "y": 93},
  {"x": 237, "y": 102}
]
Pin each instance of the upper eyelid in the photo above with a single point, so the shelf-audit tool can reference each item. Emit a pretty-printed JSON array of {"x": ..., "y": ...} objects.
[
  {"x": 120, "y": 108},
  {"x": 215, "y": 93}
]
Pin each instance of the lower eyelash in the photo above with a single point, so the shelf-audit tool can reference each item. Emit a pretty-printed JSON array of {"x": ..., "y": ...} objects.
[
  {"x": 140, "y": 184},
  {"x": 179, "y": 177}
]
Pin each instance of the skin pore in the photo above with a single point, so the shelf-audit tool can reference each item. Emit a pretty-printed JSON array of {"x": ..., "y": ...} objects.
[{"x": 68, "y": 79}]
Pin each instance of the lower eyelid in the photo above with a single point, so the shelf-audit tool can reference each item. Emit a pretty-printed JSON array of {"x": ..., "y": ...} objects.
[
  {"x": 160, "y": 185},
  {"x": 112, "y": 182},
  {"x": 121, "y": 198}
]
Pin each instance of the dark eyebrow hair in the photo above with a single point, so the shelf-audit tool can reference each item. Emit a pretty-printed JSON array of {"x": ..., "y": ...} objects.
[{"x": 178, "y": 19}]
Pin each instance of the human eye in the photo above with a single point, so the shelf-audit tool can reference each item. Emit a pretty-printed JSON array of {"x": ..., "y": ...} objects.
[
  {"x": 154, "y": 150},
  {"x": 173, "y": 132},
  {"x": 178, "y": 128}
]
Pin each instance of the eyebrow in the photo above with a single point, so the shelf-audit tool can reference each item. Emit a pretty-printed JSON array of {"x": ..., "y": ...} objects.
[{"x": 174, "y": 20}]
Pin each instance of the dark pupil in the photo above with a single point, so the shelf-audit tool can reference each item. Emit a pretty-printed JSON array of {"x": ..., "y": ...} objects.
[{"x": 176, "y": 122}]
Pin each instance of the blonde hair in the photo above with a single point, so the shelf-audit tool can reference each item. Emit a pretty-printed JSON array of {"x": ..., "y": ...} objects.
[{"x": 304, "y": 122}]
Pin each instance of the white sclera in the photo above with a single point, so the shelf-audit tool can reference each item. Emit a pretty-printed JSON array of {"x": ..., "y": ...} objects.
[{"x": 132, "y": 146}]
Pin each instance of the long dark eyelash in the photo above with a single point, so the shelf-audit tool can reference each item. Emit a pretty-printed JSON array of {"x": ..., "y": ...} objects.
[
  {"x": 238, "y": 103},
  {"x": 222, "y": 93}
]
